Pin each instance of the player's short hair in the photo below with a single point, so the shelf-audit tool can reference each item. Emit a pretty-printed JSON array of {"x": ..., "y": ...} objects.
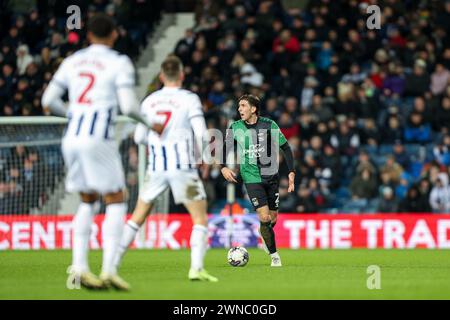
[
  {"x": 252, "y": 100},
  {"x": 101, "y": 25},
  {"x": 172, "y": 67}
]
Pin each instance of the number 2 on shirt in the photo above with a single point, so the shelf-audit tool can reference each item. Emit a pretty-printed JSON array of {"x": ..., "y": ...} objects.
[{"x": 82, "y": 98}]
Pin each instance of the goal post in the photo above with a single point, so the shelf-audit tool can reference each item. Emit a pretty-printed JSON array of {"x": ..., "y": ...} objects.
[{"x": 32, "y": 171}]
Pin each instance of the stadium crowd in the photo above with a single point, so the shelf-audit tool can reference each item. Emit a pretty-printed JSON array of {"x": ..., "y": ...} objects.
[{"x": 367, "y": 112}]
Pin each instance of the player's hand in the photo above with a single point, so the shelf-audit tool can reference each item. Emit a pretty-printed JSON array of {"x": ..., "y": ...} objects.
[
  {"x": 228, "y": 174},
  {"x": 291, "y": 186},
  {"x": 204, "y": 170},
  {"x": 158, "y": 128}
]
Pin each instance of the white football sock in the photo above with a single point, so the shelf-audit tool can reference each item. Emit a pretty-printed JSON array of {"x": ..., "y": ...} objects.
[
  {"x": 199, "y": 237},
  {"x": 112, "y": 233},
  {"x": 129, "y": 234},
  {"x": 81, "y": 225}
]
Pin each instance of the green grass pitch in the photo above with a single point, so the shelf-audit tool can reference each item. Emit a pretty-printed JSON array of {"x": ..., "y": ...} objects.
[{"x": 306, "y": 274}]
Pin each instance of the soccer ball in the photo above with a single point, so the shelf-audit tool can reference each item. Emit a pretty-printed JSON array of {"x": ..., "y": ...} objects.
[{"x": 238, "y": 256}]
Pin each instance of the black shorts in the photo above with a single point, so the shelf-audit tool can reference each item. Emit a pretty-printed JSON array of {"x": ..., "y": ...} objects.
[{"x": 264, "y": 193}]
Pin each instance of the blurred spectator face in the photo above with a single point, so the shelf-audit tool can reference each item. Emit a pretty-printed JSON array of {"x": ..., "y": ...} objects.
[
  {"x": 363, "y": 157},
  {"x": 333, "y": 35},
  {"x": 322, "y": 128},
  {"x": 7, "y": 70},
  {"x": 316, "y": 143},
  {"x": 313, "y": 184},
  {"x": 271, "y": 104},
  {"x": 196, "y": 56},
  {"x": 200, "y": 44},
  {"x": 239, "y": 12},
  {"x": 291, "y": 104},
  {"x": 416, "y": 118},
  {"x": 285, "y": 119},
  {"x": 277, "y": 25},
  {"x": 385, "y": 177},
  {"x": 297, "y": 23},
  {"x": 419, "y": 104},
  {"x": 31, "y": 69},
  {"x": 329, "y": 92},
  {"x": 398, "y": 148},
  {"x": 394, "y": 123},
  {"x": 22, "y": 85},
  {"x": 343, "y": 128},
  {"x": 303, "y": 192},
  {"x": 13, "y": 32},
  {"x": 310, "y": 35},
  {"x": 329, "y": 150},
  {"x": 285, "y": 36}
]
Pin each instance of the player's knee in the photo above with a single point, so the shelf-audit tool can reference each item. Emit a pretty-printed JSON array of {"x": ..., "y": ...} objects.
[
  {"x": 265, "y": 218},
  {"x": 89, "y": 197},
  {"x": 114, "y": 197}
]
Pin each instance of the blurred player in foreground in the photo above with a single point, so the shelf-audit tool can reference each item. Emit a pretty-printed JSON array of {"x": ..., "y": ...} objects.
[
  {"x": 171, "y": 162},
  {"x": 258, "y": 140},
  {"x": 98, "y": 80}
]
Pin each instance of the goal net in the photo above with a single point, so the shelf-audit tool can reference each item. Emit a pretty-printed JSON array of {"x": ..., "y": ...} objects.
[{"x": 32, "y": 172}]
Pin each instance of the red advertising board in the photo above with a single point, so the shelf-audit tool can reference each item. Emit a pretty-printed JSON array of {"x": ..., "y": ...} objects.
[{"x": 292, "y": 231}]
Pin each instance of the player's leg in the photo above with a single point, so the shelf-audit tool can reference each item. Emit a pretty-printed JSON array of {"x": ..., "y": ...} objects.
[
  {"x": 82, "y": 222},
  {"x": 188, "y": 189},
  {"x": 112, "y": 229},
  {"x": 140, "y": 213},
  {"x": 273, "y": 202},
  {"x": 103, "y": 171},
  {"x": 154, "y": 185}
]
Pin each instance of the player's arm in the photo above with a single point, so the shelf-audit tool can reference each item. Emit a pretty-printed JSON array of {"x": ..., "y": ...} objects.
[
  {"x": 52, "y": 97},
  {"x": 228, "y": 146},
  {"x": 198, "y": 125},
  {"x": 288, "y": 155}
]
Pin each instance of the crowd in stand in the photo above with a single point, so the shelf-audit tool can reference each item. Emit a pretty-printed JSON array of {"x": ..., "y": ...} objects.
[
  {"x": 367, "y": 112},
  {"x": 33, "y": 42}
]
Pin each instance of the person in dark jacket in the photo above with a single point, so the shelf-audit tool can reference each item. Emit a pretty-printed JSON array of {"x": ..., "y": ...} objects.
[{"x": 414, "y": 202}]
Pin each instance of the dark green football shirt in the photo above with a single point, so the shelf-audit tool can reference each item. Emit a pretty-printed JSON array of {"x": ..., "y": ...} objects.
[{"x": 258, "y": 146}]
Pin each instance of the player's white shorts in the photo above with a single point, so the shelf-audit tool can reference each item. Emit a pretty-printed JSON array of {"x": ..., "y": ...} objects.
[
  {"x": 186, "y": 185},
  {"x": 93, "y": 166}
]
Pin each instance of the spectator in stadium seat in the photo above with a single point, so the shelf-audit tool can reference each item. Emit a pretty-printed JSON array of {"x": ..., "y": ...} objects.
[
  {"x": 395, "y": 80},
  {"x": 387, "y": 203},
  {"x": 305, "y": 201},
  {"x": 414, "y": 202},
  {"x": 418, "y": 82},
  {"x": 439, "y": 79},
  {"x": 346, "y": 141},
  {"x": 442, "y": 115},
  {"x": 287, "y": 200},
  {"x": 400, "y": 154},
  {"x": 24, "y": 58},
  {"x": 441, "y": 151},
  {"x": 440, "y": 195},
  {"x": 393, "y": 132},
  {"x": 417, "y": 131},
  {"x": 392, "y": 168},
  {"x": 363, "y": 185},
  {"x": 370, "y": 134}
]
